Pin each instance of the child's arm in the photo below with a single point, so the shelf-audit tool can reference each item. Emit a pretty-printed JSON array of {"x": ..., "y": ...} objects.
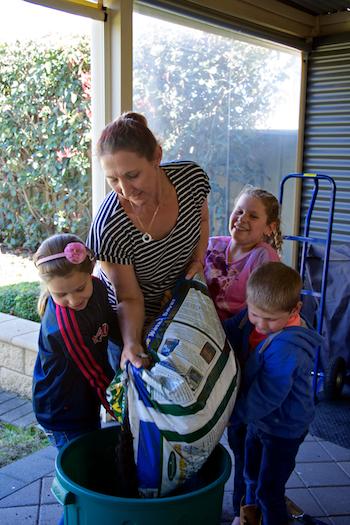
[
  {"x": 114, "y": 330},
  {"x": 234, "y": 331},
  {"x": 113, "y": 322},
  {"x": 232, "y": 325},
  {"x": 270, "y": 386},
  {"x": 107, "y": 312}
]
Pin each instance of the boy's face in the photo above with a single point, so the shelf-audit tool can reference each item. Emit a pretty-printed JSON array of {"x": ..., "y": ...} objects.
[{"x": 269, "y": 322}]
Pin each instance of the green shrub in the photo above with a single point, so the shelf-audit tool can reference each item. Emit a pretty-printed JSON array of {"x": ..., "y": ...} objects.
[
  {"x": 45, "y": 128},
  {"x": 20, "y": 300}
]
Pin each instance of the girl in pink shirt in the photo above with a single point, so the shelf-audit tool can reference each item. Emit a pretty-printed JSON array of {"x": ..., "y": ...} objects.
[{"x": 255, "y": 238}]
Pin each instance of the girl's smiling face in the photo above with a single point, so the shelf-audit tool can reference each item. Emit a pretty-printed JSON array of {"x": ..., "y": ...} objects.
[
  {"x": 73, "y": 290},
  {"x": 248, "y": 222}
]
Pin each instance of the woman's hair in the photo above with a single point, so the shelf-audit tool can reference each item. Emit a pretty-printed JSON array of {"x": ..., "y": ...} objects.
[
  {"x": 129, "y": 132},
  {"x": 274, "y": 287},
  {"x": 59, "y": 267},
  {"x": 273, "y": 212}
]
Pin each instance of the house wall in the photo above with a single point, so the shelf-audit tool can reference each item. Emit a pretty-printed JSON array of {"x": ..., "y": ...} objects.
[{"x": 327, "y": 133}]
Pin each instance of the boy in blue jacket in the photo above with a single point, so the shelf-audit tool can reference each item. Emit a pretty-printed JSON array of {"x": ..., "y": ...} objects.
[{"x": 276, "y": 403}]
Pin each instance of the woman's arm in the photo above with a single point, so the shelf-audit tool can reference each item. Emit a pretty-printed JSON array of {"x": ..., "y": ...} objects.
[
  {"x": 198, "y": 257},
  {"x": 130, "y": 310}
]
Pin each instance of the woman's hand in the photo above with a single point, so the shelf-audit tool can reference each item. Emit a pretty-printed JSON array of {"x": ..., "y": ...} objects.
[
  {"x": 194, "y": 267},
  {"x": 135, "y": 353}
]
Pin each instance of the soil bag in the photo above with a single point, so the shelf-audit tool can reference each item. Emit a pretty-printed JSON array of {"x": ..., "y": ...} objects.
[{"x": 179, "y": 408}]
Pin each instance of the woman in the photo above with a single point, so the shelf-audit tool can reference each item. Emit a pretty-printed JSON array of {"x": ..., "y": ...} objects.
[{"x": 151, "y": 229}]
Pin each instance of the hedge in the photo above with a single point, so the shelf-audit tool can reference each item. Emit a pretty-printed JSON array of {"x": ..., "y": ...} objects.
[
  {"x": 20, "y": 300},
  {"x": 45, "y": 127}
]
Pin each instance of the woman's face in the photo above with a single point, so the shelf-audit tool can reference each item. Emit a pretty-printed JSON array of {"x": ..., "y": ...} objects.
[{"x": 132, "y": 177}]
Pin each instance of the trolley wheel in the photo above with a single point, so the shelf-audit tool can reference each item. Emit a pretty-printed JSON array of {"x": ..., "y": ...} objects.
[{"x": 334, "y": 378}]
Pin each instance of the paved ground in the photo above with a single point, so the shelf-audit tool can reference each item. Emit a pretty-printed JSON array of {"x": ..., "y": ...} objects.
[
  {"x": 320, "y": 483},
  {"x": 15, "y": 410}
]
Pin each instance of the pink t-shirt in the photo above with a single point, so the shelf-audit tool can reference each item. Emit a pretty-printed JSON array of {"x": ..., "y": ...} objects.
[{"x": 227, "y": 282}]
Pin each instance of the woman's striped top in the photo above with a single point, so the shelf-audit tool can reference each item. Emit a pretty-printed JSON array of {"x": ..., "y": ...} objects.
[{"x": 157, "y": 264}]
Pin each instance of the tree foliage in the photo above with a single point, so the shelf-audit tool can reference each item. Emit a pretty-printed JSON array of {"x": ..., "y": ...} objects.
[
  {"x": 199, "y": 88},
  {"x": 45, "y": 136}
]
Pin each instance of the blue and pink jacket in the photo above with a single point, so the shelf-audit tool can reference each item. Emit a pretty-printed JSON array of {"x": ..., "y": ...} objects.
[{"x": 72, "y": 372}]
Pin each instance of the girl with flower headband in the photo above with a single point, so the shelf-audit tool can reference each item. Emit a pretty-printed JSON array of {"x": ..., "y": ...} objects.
[{"x": 72, "y": 371}]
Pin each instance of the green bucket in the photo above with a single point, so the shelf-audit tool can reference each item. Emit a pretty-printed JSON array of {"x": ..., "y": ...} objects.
[{"x": 84, "y": 484}]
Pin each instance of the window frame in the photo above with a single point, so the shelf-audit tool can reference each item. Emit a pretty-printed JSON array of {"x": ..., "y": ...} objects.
[{"x": 90, "y": 9}]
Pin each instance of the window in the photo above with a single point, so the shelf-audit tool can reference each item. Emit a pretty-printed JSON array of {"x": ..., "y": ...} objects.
[
  {"x": 232, "y": 105},
  {"x": 45, "y": 124}
]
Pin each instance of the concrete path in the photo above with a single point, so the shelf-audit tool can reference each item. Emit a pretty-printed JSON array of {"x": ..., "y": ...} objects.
[{"x": 16, "y": 410}]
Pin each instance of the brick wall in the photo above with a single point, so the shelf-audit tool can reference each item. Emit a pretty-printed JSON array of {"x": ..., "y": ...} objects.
[{"x": 18, "y": 351}]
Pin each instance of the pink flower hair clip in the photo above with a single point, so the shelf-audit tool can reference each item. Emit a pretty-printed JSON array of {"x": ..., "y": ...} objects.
[{"x": 74, "y": 252}]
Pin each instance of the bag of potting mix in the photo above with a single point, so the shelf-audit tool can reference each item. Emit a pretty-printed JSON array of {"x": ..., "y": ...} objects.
[{"x": 178, "y": 409}]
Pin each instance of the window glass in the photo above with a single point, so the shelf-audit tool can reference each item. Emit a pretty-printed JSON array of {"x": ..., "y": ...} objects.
[
  {"x": 228, "y": 104},
  {"x": 45, "y": 124}
]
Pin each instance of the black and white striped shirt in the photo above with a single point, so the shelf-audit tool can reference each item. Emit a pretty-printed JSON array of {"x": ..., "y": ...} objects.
[{"x": 159, "y": 263}]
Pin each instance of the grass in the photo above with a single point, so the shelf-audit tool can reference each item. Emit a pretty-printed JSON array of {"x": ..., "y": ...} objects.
[
  {"x": 20, "y": 300},
  {"x": 16, "y": 442}
]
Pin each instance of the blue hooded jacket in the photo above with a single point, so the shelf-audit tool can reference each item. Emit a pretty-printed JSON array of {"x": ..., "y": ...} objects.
[{"x": 276, "y": 393}]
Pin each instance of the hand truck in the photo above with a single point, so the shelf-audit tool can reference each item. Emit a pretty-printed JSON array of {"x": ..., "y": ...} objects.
[{"x": 305, "y": 240}]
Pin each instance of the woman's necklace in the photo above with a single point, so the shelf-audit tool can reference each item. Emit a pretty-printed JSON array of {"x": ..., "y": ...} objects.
[{"x": 147, "y": 237}]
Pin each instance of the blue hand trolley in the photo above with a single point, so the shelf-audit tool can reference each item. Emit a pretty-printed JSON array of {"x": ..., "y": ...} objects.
[{"x": 305, "y": 241}]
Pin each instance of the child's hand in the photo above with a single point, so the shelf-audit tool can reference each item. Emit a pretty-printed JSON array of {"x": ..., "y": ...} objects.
[
  {"x": 194, "y": 267},
  {"x": 135, "y": 353}
]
